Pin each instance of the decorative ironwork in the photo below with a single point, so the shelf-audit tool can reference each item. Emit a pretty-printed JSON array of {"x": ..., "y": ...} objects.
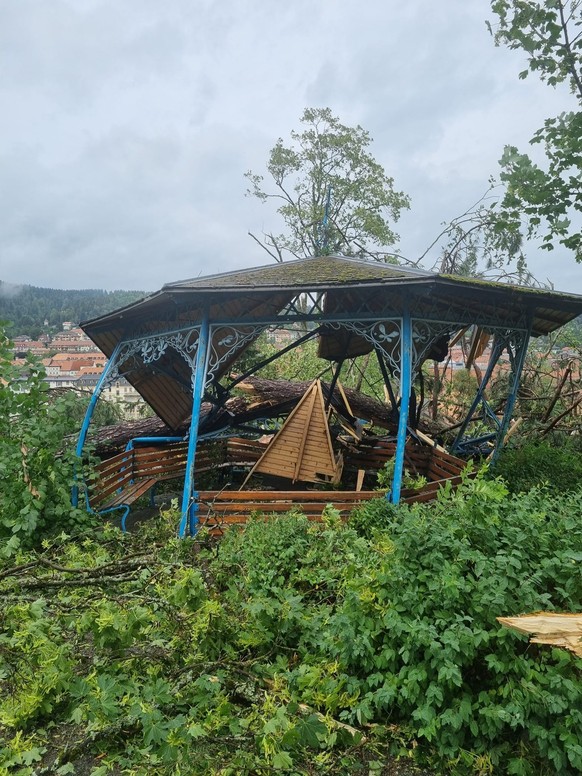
[
  {"x": 151, "y": 348},
  {"x": 227, "y": 341},
  {"x": 383, "y": 335},
  {"x": 424, "y": 335},
  {"x": 152, "y": 351}
]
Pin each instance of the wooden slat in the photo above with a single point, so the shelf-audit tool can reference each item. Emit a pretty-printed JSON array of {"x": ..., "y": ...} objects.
[
  {"x": 130, "y": 494},
  {"x": 288, "y": 495},
  {"x": 438, "y": 472},
  {"x": 454, "y": 467}
]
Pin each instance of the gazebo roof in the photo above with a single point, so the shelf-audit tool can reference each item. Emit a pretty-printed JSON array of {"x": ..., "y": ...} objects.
[
  {"x": 346, "y": 287},
  {"x": 549, "y": 309},
  {"x": 315, "y": 272}
]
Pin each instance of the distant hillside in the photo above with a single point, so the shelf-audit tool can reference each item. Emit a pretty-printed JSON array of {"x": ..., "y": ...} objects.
[{"x": 28, "y": 307}]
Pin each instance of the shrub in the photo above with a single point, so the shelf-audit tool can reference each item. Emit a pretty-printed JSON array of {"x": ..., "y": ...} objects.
[
  {"x": 298, "y": 647},
  {"x": 417, "y": 629},
  {"x": 36, "y": 464},
  {"x": 556, "y": 467}
]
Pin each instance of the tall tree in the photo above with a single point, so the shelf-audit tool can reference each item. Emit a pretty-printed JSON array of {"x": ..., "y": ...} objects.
[
  {"x": 331, "y": 193},
  {"x": 546, "y": 198}
]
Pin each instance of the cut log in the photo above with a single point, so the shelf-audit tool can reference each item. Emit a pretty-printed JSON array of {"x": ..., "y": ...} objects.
[{"x": 556, "y": 630}]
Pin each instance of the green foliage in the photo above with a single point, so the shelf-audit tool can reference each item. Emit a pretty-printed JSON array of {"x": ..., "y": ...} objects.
[
  {"x": 420, "y": 627},
  {"x": 298, "y": 647},
  {"x": 548, "y": 32},
  {"x": 481, "y": 244},
  {"x": 27, "y": 307},
  {"x": 164, "y": 660},
  {"x": 36, "y": 465},
  {"x": 325, "y": 154},
  {"x": 303, "y": 363},
  {"x": 556, "y": 468},
  {"x": 385, "y": 476},
  {"x": 549, "y": 197}
]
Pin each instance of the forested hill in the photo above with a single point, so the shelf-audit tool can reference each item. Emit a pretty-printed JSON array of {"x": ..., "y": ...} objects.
[{"x": 28, "y": 307}]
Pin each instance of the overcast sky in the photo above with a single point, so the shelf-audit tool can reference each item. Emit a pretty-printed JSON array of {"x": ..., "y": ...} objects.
[{"x": 127, "y": 125}]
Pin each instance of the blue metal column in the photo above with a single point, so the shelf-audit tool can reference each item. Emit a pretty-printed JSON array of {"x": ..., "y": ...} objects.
[
  {"x": 189, "y": 497},
  {"x": 405, "y": 388},
  {"x": 517, "y": 367},
  {"x": 496, "y": 351},
  {"x": 89, "y": 414}
]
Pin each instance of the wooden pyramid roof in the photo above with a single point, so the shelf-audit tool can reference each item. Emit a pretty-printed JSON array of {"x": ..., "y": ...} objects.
[{"x": 302, "y": 448}]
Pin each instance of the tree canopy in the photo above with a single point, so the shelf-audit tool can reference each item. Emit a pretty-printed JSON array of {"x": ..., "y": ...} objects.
[
  {"x": 331, "y": 193},
  {"x": 546, "y": 199}
]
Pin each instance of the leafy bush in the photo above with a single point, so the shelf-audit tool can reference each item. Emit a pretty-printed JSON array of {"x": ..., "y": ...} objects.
[
  {"x": 119, "y": 654},
  {"x": 556, "y": 467},
  {"x": 402, "y": 628},
  {"x": 298, "y": 647},
  {"x": 36, "y": 465}
]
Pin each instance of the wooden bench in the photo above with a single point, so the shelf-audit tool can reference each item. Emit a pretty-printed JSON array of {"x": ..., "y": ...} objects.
[
  {"x": 121, "y": 480},
  {"x": 219, "y": 509}
]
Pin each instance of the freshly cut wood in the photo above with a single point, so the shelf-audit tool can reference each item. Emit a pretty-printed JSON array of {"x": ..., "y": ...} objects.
[
  {"x": 557, "y": 630},
  {"x": 429, "y": 441}
]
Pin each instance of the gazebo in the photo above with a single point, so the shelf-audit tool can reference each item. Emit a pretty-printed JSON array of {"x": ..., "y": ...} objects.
[{"x": 177, "y": 347}]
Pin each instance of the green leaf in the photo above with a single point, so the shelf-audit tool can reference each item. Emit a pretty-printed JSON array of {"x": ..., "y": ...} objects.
[{"x": 282, "y": 761}]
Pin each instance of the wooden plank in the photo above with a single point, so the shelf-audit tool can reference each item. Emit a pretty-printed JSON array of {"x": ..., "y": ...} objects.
[
  {"x": 439, "y": 472},
  {"x": 287, "y": 495},
  {"x": 128, "y": 495},
  {"x": 429, "y": 441},
  {"x": 305, "y": 430},
  {"x": 103, "y": 491},
  {"x": 451, "y": 458},
  {"x": 451, "y": 466}
]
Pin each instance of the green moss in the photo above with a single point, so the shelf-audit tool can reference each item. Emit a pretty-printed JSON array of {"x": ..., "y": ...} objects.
[{"x": 318, "y": 270}]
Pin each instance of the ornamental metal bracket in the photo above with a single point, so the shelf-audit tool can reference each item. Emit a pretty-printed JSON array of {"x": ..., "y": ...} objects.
[
  {"x": 382, "y": 335},
  {"x": 425, "y": 334},
  {"x": 226, "y": 341},
  {"x": 148, "y": 350}
]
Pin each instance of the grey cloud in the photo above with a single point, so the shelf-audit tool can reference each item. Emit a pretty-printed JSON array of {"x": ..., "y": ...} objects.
[{"x": 127, "y": 127}]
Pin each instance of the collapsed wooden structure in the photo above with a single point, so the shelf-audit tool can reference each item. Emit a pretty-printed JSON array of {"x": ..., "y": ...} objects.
[{"x": 180, "y": 348}]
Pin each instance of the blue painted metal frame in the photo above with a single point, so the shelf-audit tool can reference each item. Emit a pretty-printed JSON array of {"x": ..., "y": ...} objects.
[
  {"x": 152, "y": 440},
  {"x": 370, "y": 324},
  {"x": 405, "y": 389},
  {"x": 519, "y": 339},
  {"x": 87, "y": 419},
  {"x": 496, "y": 351},
  {"x": 517, "y": 367},
  {"x": 189, "y": 498}
]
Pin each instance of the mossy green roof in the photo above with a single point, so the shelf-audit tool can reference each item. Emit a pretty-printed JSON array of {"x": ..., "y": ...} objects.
[{"x": 303, "y": 273}]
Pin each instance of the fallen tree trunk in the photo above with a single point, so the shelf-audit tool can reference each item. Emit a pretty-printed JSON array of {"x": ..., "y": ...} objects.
[
  {"x": 262, "y": 399},
  {"x": 274, "y": 392}
]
